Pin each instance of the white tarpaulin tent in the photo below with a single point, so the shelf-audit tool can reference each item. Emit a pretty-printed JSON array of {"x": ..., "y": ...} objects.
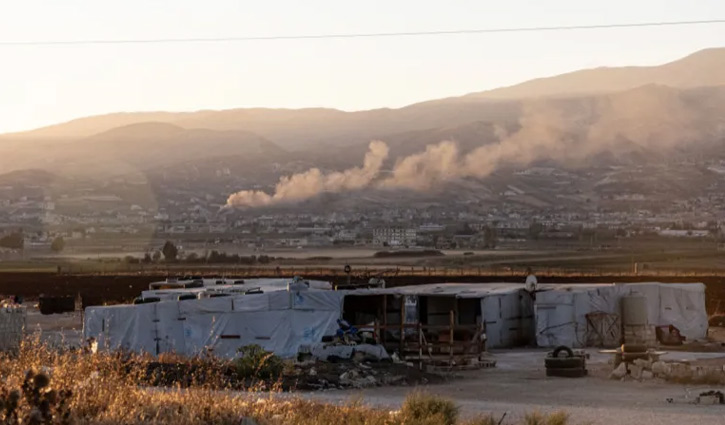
[
  {"x": 278, "y": 321},
  {"x": 228, "y": 287},
  {"x": 282, "y": 321},
  {"x": 561, "y": 310}
]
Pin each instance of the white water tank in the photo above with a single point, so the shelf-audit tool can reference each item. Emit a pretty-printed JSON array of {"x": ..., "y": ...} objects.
[{"x": 634, "y": 310}]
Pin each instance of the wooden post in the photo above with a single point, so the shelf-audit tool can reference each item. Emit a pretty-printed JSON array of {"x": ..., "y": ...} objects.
[
  {"x": 402, "y": 325},
  {"x": 452, "y": 322},
  {"x": 420, "y": 346},
  {"x": 385, "y": 319}
]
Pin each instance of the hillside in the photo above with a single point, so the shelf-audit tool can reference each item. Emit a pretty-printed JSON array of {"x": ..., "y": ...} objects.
[
  {"x": 637, "y": 114},
  {"x": 700, "y": 69},
  {"x": 134, "y": 148},
  {"x": 301, "y": 129}
]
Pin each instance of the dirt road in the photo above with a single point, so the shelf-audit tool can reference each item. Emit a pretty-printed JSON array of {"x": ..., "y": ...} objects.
[{"x": 518, "y": 386}]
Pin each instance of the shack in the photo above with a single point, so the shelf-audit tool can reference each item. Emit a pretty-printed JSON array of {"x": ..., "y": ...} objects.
[
  {"x": 583, "y": 315},
  {"x": 279, "y": 321},
  {"x": 446, "y": 323}
]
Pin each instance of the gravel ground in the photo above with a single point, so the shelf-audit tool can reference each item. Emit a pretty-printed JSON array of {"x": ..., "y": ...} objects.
[{"x": 518, "y": 385}]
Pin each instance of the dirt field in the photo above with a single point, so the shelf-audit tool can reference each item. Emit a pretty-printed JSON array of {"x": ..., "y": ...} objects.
[{"x": 518, "y": 385}]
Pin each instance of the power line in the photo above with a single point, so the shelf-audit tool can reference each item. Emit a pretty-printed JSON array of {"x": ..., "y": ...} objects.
[{"x": 353, "y": 35}]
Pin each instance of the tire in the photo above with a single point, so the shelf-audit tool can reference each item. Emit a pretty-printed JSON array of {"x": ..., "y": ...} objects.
[
  {"x": 634, "y": 348},
  {"x": 563, "y": 348},
  {"x": 564, "y": 363},
  {"x": 566, "y": 373}
]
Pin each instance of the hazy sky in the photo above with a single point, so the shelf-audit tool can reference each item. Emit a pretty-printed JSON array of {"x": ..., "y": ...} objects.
[{"x": 43, "y": 85}]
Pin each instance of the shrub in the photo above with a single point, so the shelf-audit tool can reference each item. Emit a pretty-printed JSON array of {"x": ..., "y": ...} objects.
[
  {"x": 255, "y": 362},
  {"x": 425, "y": 409},
  {"x": 538, "y": 418},
  {"x": 83, "y": 388},
  {"x": 35, "y": 403}
]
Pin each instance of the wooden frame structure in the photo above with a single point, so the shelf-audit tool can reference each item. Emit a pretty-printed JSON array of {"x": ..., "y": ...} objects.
[{"x": 446, "y": 346}]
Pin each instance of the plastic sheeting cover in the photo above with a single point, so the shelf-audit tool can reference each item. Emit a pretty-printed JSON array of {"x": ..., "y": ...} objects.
[
  {"x": 561, "y": 313},
  {"x": 278, "y": 321}
]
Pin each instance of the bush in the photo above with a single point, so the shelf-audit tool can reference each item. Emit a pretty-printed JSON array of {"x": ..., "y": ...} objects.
[
  {"x": 538, "y": 418},
  {"x": 255, "y": 362},
  {"x": 78, "y": 387},
  {"x": 425, "y": 409},
  {"x": 35, "y": 403}
]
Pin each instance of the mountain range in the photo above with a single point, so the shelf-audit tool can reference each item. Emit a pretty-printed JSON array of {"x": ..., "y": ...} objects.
[{"x": 615, "y": 114}]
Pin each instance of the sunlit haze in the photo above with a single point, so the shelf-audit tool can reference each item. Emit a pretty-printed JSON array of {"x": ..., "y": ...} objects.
[{"x": 40, "y": 85}]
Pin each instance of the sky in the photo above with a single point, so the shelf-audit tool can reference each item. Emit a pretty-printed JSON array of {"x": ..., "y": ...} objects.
[{"x": 42, "y": 85}]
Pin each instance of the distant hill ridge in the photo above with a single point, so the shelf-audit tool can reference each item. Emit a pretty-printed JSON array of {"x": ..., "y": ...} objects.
[
  {"x": 299, "y": 127},
  {"x": 629, "y": 110}
]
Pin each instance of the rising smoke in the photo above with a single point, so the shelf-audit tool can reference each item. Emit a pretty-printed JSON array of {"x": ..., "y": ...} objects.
[
  {"x": 302, "y": 186},
  {"x": 545, "y": 132}
]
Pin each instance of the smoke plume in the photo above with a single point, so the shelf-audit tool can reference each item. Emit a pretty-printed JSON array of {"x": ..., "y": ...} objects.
[
  {"x": 302, "y": 186},
  {"x": 653, "y": 119},
  {"x": 421, "y": 171}
]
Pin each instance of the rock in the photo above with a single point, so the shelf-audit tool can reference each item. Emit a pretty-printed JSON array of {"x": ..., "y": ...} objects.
[
  {"x": 368, "y": 381},
  {"x": 393, "y": 380},
  {"x": 646, "y": 374},
  {"x": 659, "y": 368},
  {"x": 359, "y": 356},
  {"x": 644, "y": 364},
  {"x": 312, "y": 372},
  {"x": 635, "y": 371},
  {"x": 681, "y": 371},
  {"x": 619, "y": 373},
  {"x": 708, "y": 399},
  {"x": 248, "y": 421}
]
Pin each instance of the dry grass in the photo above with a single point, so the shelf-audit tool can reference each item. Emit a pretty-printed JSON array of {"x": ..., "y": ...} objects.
[
  {"x": 83, "y": 388},
  {"x": 537, "y": 418}
]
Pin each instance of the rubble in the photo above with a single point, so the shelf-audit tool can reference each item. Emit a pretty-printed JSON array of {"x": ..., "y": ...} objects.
[
  {"x": 349, "y": 374},
  {"x": 619, "y": 372},
  {"x": 681, "y": 372}
]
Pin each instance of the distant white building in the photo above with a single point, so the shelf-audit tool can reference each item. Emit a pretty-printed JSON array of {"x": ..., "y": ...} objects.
[
  {"x": 431, "y": 228},
  {"x": 394, "y": 236}
]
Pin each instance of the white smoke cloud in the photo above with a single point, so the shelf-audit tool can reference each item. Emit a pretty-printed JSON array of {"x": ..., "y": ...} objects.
[
  {"x": 302, "y": 186},
  {"x": 421, "y": 171}
]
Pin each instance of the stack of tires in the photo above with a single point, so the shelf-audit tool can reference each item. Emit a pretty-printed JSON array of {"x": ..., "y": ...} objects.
[{"x": 562, "y": 362}]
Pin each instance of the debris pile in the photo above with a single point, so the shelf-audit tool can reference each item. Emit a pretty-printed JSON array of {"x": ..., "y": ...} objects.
[
  {"x": 681, "y": 372},
  {"x": 323, "y": 375}
]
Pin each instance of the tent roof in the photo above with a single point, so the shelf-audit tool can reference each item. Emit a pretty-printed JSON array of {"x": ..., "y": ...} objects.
[
  {"x": 480, "y": 290},
  {"x": 460, "y": 290}
]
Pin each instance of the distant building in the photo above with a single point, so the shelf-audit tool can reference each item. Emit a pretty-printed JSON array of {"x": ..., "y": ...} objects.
[
  {"x": 684, "y": 233},
  {"x": 394, "y": 236}
]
